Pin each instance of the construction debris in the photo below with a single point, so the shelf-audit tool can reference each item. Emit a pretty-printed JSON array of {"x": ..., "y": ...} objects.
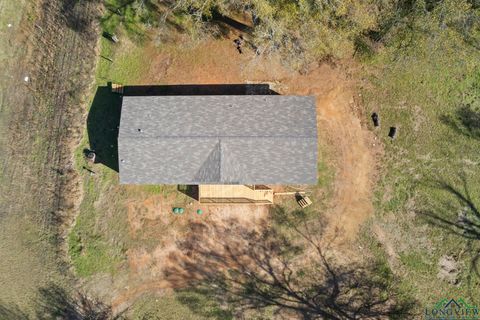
[
  {"x": 238, "y": 43},
  {"x": 111, "y": 36}
]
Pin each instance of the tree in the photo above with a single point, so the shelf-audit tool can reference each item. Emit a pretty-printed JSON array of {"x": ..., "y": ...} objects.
[{"x": 309, "y": 29}]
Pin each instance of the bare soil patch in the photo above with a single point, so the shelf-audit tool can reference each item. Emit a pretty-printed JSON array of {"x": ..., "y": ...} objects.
[{"x": 170, "y": 233}]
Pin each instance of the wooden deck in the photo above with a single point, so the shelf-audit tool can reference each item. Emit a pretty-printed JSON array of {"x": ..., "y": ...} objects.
[{"x": 235, "y": 194}]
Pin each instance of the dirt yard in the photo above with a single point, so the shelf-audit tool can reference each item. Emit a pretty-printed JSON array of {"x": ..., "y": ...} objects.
[
  {"x": 338, "y": 110},
  {"x": 353, "y": 151}
]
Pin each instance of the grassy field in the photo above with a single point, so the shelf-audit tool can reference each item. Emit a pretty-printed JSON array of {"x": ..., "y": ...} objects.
[
  {"x": 429, "y": 90},
  {"x": 28, "y": 258},
  {"x": 187, "y": 305},
  {"x": 39, "y": 121}
]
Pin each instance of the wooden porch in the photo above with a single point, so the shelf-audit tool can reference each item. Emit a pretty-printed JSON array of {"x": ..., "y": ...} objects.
[{"x": 231, "y": 194}]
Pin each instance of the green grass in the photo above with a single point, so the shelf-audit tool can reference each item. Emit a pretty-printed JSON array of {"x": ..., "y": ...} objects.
[
  {"x": 416, "y": 262},
  {"x": 419, "y": 89},
  {"x": 92, "y": 245},
  {"x": 134, "y": 17},
  {"x": 92, "y": 257},
  {"x": 128, "y": 66},
  {"x": 29, "y": 258},
  {"x": 326, "y": 174},
  {"x": 97, "y": 240},
  {"x": 159, "y": 189},
  {"x": 382, "y": 267},
  {"x": 182, "y": 305}
]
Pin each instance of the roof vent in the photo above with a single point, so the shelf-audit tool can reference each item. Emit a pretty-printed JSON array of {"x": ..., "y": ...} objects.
[{"x": 139, "y": 130}]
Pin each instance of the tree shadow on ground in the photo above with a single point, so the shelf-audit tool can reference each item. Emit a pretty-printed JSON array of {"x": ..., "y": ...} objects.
[
  {"x": 12, "y": 312},
  {"x": 54, "y": 302},
  {"x": 222, "y": 20},
  {"x": 254, "y": 269},
  {"x": 78, "y": 16},
  {"x": 103, "y": 119},
  {"x": 458, "y": 215},
  {"x": 466, "y": 121},
  {"x": 136, "y": 15},
  {"x": 213, "y": 23}
]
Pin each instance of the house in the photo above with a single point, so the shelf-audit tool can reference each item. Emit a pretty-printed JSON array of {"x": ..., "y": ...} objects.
[{"x": 231, "y": 146}]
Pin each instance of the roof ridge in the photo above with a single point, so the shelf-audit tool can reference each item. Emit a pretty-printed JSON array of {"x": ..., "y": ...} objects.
[{"x": 218, "y": 137}]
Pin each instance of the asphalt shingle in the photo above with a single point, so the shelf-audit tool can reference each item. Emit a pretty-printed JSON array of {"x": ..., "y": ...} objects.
[{"x": 218, "y": 140}]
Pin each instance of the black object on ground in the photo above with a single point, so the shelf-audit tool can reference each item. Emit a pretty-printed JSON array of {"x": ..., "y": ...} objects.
[
  {"x": 88, "y": 170},
  {"x": 111, "y": 37},
  {"x": 238, "y": 44},
  {"x": 375, "y": 119},
  {"x": 393, "y": 132}
]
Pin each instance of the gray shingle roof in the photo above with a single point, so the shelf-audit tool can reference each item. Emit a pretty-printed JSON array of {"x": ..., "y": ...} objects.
[{"x": 247, "y": 139}]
